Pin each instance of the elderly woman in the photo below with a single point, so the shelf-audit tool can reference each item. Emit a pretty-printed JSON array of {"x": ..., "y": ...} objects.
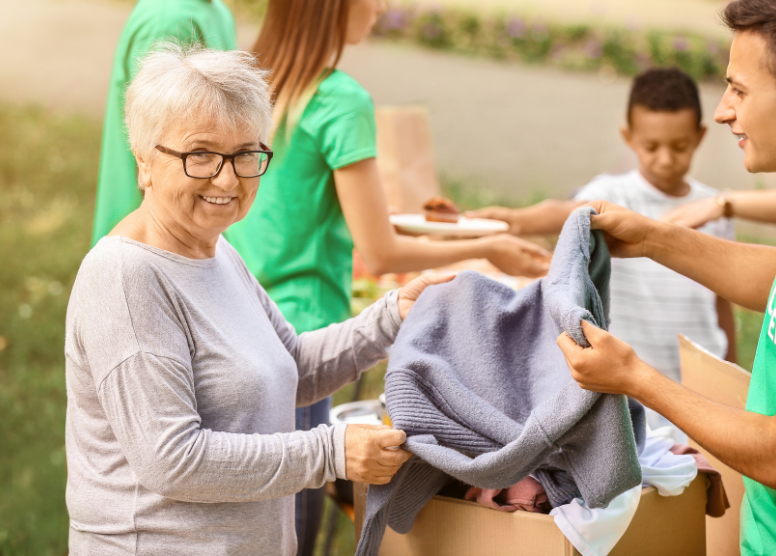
[{"x": 182, "y": 375}]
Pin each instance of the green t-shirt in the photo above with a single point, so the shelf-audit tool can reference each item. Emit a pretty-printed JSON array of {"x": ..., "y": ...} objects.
[
  {"x": 207, "y": 21},
  {"x": 295, "y": 239},
  {"x": 758, "y": 509}
]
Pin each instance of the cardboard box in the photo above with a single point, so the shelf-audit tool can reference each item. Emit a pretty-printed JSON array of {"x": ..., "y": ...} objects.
[
  {"x": 725, "y": 383},
  {"x": 662, "y": 526},
  {"x": 406, "y": 157}
]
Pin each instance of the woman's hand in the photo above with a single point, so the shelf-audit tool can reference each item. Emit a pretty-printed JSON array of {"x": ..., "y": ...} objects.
[
  {"x": 609, "y": 365},
  {"x": 409, "y": 294},
  {"x": 517, "y": 257},
  {"x": 694, "y": 215},
  {"x": 372, "y": 453},
  {"x": 626, "y": 231}
]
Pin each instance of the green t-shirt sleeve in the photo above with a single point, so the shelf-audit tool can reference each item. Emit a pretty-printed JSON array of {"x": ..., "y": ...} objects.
[{"x": 348, "y": 132}]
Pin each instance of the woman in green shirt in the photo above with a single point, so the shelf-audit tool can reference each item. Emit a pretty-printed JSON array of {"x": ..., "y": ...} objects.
[
  {"x": 207, "y": 21},
  {"x": 323, "y": 193}
]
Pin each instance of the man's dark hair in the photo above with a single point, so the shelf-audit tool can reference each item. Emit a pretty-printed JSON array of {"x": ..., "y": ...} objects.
[
  {"x": 758, "y": 16},
  {"x": 664, "y": 90}
]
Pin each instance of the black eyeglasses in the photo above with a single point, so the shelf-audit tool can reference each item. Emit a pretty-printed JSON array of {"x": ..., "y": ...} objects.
[{"x": 204, "y": 165}]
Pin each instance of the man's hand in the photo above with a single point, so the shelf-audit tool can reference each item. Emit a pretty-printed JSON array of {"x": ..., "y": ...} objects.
[
  {"x": 609, "y": 365},
  {"x": 372, "y": 455},
  {"x": 694, "y": 215},
  {"x": 410, "y": 293},
  {"x": 626, "y": 231}
]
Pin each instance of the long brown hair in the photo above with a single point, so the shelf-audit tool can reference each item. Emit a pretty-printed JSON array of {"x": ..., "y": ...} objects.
[{"x": 301, "y": 43}]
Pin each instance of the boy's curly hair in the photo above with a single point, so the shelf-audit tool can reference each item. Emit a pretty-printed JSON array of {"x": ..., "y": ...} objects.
[{"x": 664, "y": 90}]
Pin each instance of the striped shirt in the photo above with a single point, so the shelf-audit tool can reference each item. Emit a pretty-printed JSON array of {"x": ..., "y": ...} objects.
[{"x": 651, "y": 304}]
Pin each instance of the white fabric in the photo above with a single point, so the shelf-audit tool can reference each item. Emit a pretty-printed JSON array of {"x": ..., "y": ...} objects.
[
  {"x": 651, "y": 304},
  {"x": 595, "y": 532},
  {"x": 657, "y": 422}
]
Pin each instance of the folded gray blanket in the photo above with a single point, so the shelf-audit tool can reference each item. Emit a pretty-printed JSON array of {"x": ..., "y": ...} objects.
[{"x": 482, "y": 390}]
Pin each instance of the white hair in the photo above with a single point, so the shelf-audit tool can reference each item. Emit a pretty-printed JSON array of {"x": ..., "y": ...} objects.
[{"x": 175, "y": 81}]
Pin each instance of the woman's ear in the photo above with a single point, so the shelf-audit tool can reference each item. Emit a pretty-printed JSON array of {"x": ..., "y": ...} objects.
[{"x": 143, "y": 171}]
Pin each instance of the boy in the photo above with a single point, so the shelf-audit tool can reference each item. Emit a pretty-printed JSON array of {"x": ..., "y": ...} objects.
[{"x": 651, "y": 304}]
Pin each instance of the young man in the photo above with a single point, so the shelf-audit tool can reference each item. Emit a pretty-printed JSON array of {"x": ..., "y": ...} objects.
[
  {"x": 745, "y": 440},
  {"x": 651, "y": 304}
]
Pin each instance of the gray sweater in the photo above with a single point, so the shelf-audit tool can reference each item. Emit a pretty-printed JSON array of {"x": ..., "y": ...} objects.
[
  {"x": 182, "y": 378},
  {"x": 484, "y": 393}
]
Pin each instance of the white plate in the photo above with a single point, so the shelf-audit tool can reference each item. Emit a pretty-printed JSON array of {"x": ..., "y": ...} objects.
[
  {"x": 367, "y": 412},
  {"x": 465, "y": 227}
]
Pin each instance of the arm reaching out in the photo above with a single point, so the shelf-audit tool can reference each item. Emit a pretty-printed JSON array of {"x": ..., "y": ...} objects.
[
  {"x": 366, "y": 211},
  {"x": 759, "y": 206},
  {"x": 744, "y": 440},
  {"x": 543, "y": 218},
  {"x": 738, "y": 272}
]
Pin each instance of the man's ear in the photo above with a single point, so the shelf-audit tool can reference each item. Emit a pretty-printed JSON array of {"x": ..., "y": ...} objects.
[
  {"x": 143, "y": 171},
  {"x": 701, "y": 134}
]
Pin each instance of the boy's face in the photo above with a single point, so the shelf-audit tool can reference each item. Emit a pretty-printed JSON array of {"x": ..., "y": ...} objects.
[
  {"x": 749, "y": 103},
  {"x": 664, "y": 143}
]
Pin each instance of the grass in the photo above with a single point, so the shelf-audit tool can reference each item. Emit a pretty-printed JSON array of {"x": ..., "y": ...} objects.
[
  {"x": 48, "y": 171},
  {"x": 48, "y": 168}
]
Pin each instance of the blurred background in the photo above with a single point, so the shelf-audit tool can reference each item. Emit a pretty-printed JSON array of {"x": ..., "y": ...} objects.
[{"x": 525, "y": 99}]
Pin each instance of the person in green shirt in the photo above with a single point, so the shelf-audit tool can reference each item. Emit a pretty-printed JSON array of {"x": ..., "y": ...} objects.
[
  {"x": 206, "y": 21},
  {"x": 322, "y": 194},
  {"x": 743, "y": 274}
]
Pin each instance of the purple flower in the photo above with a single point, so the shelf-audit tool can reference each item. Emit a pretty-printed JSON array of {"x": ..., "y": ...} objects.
[
  {"x": 593, "y": 50},
  {"x": 713, "y": 48},
  {"x": 558, "y": 51},
  {"x": 539, "y": 29},
  {"x": 431, "y": 31},
  {"x": 681, "y": 44},
  {"x": 395, "y": 20},
  {"x": 515, "y": 28}
]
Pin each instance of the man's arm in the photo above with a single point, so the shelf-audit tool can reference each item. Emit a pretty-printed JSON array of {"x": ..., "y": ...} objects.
[
  {"x": 727, "y": 323},
  {"x": 739, "y": 272},
  {"x": 743, "y": 440},
  {"x": 543, "y": 218}
]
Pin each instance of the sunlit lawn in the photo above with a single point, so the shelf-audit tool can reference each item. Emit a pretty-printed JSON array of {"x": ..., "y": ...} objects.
[{"x": 48, "y": 169}]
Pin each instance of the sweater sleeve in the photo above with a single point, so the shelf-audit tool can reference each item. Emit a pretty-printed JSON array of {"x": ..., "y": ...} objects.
[
  {"x": 336, "y": 355},
  {"x": 151, "y": 407}
]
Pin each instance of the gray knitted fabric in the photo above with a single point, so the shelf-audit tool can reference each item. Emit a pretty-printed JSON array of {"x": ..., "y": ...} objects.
[{"x": 482, "y": 390}]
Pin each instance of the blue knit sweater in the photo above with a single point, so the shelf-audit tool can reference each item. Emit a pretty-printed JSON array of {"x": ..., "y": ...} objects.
[{"x": 484, "y": 393}]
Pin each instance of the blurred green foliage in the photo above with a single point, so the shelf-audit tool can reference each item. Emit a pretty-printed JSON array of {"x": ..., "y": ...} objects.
[
  {"x": 571, "y": 46},
  {"x": 48, "y": 170}
]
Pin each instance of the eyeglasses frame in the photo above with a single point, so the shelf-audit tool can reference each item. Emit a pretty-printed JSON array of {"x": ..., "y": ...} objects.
[{"x": 224, "y": 157}]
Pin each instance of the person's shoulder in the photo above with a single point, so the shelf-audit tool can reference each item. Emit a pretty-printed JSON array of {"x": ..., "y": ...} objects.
[
  {"x": 340, "y": 90},
  {"x": 114, "y": 260}
]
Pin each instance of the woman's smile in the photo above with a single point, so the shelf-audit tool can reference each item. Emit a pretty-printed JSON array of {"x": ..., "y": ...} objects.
[{"x": 226, "y": 200}]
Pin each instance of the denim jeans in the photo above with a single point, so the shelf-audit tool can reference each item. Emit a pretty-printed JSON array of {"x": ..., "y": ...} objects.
[{"x": 309, "y": 502}]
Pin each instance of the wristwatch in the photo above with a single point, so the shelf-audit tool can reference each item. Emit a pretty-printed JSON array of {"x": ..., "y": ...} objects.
[{"x": 726, "y": 204}]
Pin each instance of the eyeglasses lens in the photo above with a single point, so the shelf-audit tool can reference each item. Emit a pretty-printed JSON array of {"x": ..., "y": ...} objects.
[{"x": 246, "y": 165}]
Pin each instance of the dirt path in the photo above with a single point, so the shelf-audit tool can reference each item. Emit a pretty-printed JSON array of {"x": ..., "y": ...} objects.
[{"x": 516, "y": 128}]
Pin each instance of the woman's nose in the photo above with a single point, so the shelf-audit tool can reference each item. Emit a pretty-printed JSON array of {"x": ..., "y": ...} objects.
[{"x": 226, "y": 178}]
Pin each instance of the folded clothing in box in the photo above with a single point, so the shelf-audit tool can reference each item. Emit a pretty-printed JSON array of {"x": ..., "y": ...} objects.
[{"x": 482, "y": 390}]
